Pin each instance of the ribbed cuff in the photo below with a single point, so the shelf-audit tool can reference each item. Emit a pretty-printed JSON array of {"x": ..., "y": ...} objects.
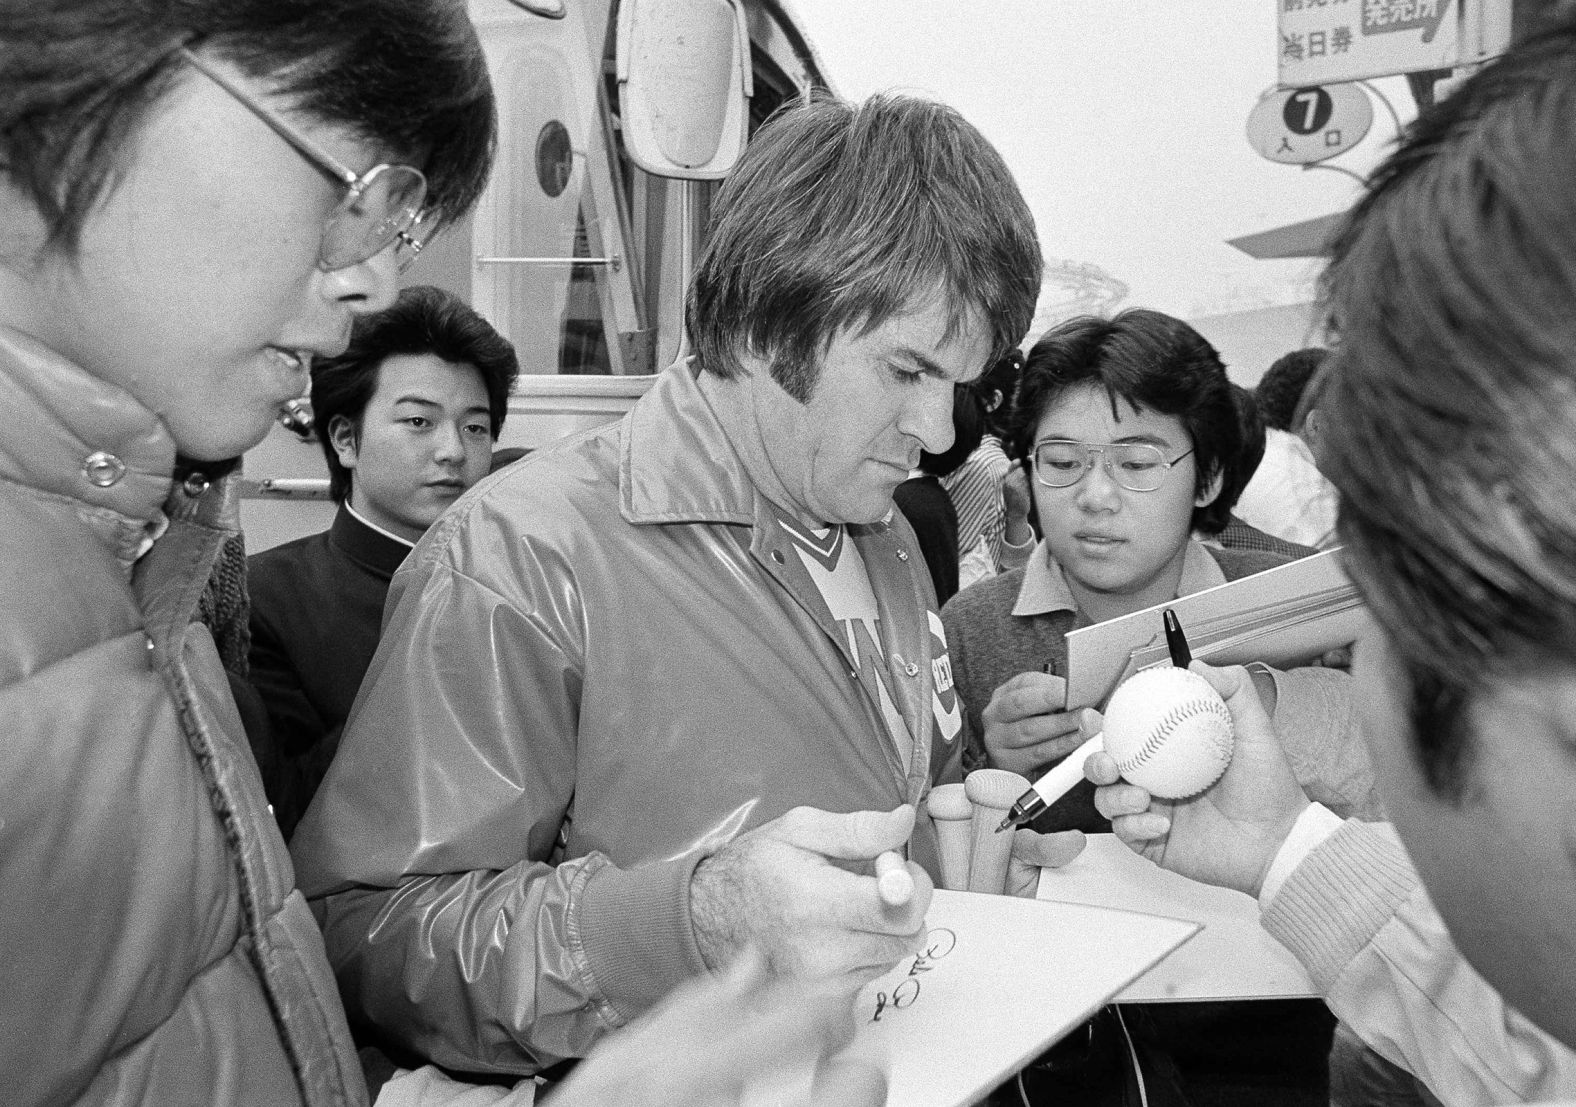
[
  {"x": 1313, "y": 826},
  {"x": 636, "y": 932},
  {"x": 1334, "y": 903}
]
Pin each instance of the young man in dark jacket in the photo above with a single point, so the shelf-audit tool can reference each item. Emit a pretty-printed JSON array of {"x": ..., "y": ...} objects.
[{"x": 407, "y": 418}]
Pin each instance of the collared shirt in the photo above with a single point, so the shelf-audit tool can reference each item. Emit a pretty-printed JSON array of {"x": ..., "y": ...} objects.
[{"x": 1045, "y": 584}]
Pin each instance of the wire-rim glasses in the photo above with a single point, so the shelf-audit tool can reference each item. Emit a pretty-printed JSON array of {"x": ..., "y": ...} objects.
[
  {"x": 382, "y": 207},
  {"x": 1136, "y": 466}
]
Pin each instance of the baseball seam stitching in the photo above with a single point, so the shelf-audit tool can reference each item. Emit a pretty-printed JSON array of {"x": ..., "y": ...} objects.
[{"x": 1168, "y": 722}]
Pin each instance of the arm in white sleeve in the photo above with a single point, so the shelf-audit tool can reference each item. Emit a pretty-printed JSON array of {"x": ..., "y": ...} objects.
[{"x": 1356, "y": 915}]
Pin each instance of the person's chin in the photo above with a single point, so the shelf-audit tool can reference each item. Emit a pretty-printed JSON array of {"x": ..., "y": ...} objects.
[
  {"x": 222, "y": 443},
  {"x": 1102, "y": 572},
  {"x": 867, "y": 509}
]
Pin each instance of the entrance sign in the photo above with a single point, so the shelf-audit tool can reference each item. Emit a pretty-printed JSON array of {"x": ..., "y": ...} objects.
[
  {"x": 1328, "y": 41},
  {"x": 1301, "y": 126}
]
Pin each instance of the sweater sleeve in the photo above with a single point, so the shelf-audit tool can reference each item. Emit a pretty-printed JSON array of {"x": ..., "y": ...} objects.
[
  {"x": 1318, "y": 729},
  {"x": 1358, "y": 918}
]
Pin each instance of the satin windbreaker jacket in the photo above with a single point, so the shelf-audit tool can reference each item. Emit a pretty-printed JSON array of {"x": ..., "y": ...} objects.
[
  {"x": 603, "y": 663},
  {"x": 152, "y": 948}
]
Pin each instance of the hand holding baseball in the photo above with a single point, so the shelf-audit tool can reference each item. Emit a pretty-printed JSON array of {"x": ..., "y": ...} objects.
[{"x": 1229, "y": 833}]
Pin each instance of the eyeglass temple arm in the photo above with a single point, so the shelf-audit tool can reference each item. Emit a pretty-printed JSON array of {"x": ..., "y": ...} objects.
[{"x": 312, "y": 150}]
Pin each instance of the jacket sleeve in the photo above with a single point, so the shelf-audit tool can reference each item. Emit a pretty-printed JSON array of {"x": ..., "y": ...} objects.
[
  {"x": 1318, "y": 729},
  {"x": 1356, "y": 915},
  {"x": 971, "y": 742},
  {"x": 429, "y": 851}
]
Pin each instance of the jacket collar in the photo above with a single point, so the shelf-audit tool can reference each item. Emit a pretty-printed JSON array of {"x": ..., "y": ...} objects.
[
  {"x": 677, "y": 464},
  {"x": 377, "y": 551},
  {"x": 71, "y": 434},
  {"x": 1045, "y": 590}
]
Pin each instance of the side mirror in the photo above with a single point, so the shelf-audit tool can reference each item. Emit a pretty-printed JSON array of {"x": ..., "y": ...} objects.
[{"x": 684, "y": 85}]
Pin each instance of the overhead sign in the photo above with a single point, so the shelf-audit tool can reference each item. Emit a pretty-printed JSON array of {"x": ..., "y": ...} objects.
[
  {"x": 1327, "y": 41},
  {"x": 1300, "y": 126}
]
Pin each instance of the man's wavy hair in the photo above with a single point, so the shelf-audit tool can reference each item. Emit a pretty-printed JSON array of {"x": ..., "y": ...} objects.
[
  {"x": 842, "y": 217},
  {"x": 1451, "y": 399},
  {"x": 80, "y": 78},
  {"x": 1143, "y": 359}
]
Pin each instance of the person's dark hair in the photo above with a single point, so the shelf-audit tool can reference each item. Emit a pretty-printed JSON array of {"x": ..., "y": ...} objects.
[
  {"x": 1280, "y": 390},
  {"x": 971, "y": 417},
  {"x": 1251, "y": 451},
  {"x": 1452, "y": 394},
  {"x": 1146, "y": 360},
  {"x": 78, "y": 79},
  {"x": 841, "y": 217},
  {"x": 424, "y": 320}
]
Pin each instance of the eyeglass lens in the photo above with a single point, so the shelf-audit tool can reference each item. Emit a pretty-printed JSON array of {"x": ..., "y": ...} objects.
[
  {"x": 374, "y": 216},
  {"x": 1133, "y": 465}
]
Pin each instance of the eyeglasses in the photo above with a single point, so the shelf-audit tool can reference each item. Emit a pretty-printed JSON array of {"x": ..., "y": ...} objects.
[
  {"x": 1136, "y": 466},
  {"x": 382, "y": 207}
]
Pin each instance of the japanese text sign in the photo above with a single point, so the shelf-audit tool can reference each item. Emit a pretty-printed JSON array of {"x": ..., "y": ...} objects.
[{"x": 1328, "y": 41}]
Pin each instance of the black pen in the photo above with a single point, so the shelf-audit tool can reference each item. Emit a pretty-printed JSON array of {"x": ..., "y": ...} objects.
[{"x": 1176, "y": 641}]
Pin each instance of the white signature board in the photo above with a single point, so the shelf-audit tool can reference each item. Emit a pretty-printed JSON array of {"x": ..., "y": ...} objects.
[{"x": 1000, "y": 980}]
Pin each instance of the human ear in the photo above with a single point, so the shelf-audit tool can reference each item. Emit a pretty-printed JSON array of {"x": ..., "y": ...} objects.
[
  {"x": 342, "y": 435},
  {"x": 1211, "y": 490}
]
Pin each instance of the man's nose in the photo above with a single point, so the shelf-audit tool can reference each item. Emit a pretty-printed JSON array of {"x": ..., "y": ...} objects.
[
  {"x": 367, "y": 286},
  {"x": 447, "y": 446},
  {"x": 930, "y": 417}
]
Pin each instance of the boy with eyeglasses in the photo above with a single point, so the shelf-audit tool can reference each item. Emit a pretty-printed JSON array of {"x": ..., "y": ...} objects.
[
  {"x": 196, "y": 200},
  {"x": 1132, "y": 439}
]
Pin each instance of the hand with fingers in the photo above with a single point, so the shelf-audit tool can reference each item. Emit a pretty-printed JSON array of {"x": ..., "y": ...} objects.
[
  {"x": 710, "y": 1039},
  {"x": 1017, "y": 501},
  {"x": 778, "y": 889},
  {"x": 1228, "y": 834},
  {"x": 1026, "y": 727},
  {"x": 1032, "y": 852}
]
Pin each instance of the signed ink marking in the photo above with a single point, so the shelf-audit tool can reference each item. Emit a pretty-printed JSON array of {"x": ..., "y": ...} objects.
[{"x": 938, "y": 943}]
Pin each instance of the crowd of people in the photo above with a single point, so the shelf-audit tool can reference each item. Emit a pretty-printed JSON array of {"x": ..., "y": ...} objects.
[{"x": 584, "y": 766}]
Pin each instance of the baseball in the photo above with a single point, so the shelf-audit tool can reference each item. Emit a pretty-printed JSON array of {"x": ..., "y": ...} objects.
[{"x": 1169, "y": 732}]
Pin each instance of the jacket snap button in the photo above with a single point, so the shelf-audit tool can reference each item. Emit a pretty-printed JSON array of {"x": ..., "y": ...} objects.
[
  {"x": 902, "y": 555},
  {"x": 103, "y": 469},
  {"x": 195, "y": 485},
  {"x": 911, "y": 669}
]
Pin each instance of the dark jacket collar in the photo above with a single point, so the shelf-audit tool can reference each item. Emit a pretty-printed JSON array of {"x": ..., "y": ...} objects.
[{"x": 372, "y": 550}]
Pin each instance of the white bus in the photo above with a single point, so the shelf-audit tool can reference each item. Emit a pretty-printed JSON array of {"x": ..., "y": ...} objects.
[{"x": 617, "y": 121}]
